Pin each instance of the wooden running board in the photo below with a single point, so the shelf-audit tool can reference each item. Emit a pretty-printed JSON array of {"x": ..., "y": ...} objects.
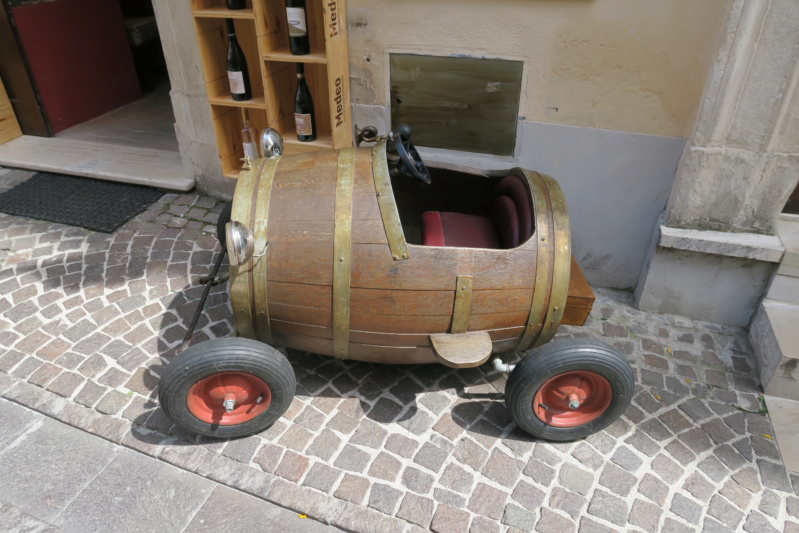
[{"x": 461, "y": 350}]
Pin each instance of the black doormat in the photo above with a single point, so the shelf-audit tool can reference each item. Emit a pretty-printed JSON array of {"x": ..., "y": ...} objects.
[{"x": 89, "y": 203}]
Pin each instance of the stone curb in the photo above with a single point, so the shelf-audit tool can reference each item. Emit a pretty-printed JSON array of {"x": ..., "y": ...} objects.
[{"x": 200, "y": 461}]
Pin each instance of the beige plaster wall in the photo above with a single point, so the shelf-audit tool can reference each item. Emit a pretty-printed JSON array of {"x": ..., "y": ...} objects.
[{"x": 627, "y": 65}]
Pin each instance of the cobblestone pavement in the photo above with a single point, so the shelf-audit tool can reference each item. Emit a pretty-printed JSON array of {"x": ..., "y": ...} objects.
[{"x": 88, "y": 321}]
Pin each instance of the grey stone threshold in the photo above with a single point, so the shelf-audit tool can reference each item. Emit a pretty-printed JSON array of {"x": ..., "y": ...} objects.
[
  {"x": 205, "y": 463},
  {"x": 140, "y": 166}
]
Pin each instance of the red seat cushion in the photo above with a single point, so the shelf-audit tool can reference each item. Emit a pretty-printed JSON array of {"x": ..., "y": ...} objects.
[
  {"x": 432, "y": 230},
  {"x": 514, "y": 187},
  {"x": 458, "y": 229},
  {"x": 506, "y": 220}
]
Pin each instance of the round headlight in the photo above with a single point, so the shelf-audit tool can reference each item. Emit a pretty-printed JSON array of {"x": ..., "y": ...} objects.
[{"x": 240, "y": 242}]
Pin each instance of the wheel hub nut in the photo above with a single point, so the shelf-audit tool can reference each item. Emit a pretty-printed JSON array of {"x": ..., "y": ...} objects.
[
  {"x": 574, "y": 402},
  {"x": 229, "y": 403}
]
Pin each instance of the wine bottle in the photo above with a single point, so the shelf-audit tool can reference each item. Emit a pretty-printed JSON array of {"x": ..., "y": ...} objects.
[
  {"x": 236, "y": 4},
  {"x": 249, "y": 136},
  {"x": 304, "y": 119},
  {"x": 237, "y": 73},
  {"x": 298, "y": 27}
]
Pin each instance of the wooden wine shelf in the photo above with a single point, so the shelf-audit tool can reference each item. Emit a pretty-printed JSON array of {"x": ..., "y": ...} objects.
[
  {"x": 322, "y": 141},
  {"x": 285, "y": 55},
  {"x": 256, "y": 102},
  {"x": 224, "y": 13},
  {"x": 262, "y": 35}
]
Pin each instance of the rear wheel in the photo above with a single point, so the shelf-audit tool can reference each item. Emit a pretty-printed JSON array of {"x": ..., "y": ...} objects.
[
  {"x": 227, "y": 388},
  {"x": 569, "y": 389}
]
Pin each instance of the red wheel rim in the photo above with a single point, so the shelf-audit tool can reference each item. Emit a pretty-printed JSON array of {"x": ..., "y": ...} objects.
[
  {"x": 555, "y": 401},
  {"x": 250, "y": 396}
]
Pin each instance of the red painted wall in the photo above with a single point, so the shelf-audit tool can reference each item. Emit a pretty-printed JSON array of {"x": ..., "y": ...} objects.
[{"x": 79, "y": 54}]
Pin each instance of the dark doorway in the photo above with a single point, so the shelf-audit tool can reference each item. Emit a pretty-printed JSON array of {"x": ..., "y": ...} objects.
[
  {"x": 81, "y": 59},
  {"x": 792, "y": 206}
]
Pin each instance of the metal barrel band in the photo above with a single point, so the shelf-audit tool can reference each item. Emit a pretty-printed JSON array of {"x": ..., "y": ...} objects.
[
  {"x": 342, "y": 253},
  {"x": 387, "y": 204},
  {"x": 543, "y": 235},
  {"x": 243, "y": 202},
  {"x": 260, "y": 302},
  {"x": 561, "y": 264}
]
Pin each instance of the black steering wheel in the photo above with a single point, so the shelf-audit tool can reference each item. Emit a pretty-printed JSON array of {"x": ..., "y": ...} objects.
[{"x": 410, "y": 163}]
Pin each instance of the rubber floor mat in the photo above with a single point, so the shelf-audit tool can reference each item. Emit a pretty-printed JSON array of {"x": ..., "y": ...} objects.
[{"x": 93, "y": 204}]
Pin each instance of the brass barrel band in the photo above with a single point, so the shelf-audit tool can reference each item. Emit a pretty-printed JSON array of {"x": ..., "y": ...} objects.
[
  {"x": 542, "y": 234},
  {"x": 239, "y": 277},
  {"x": 342, "y": 253},
  {"x": 463, "y": 304},
  {"x": 561, "y": 267},
  {"x": 388, "y": 204},
  {"x": 260, "y": 311}
]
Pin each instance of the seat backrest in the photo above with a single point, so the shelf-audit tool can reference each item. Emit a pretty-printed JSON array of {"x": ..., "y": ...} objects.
[{"x": 513, "y": 230}]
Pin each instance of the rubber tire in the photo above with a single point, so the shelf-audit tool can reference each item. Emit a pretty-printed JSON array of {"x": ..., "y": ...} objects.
[
  {"x": 226, "y": 355},
  {"x": 563, "y": 356},
  {"x": 224, "y": 218}
]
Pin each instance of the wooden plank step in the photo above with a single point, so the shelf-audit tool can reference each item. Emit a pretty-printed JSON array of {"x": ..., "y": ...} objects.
[{"x": 462, "y": 350}]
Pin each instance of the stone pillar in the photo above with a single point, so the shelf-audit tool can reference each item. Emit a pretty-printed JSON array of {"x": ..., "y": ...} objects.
[
  {"x": 735, "y": 174},
  {"x": 193, "y": 124}
]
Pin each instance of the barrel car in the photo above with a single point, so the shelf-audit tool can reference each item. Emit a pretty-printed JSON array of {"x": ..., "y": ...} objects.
[{"x": 366, "y": 254}]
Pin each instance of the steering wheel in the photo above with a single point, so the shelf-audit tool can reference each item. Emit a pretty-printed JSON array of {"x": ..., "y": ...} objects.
[{"x": 410, "y": 163}]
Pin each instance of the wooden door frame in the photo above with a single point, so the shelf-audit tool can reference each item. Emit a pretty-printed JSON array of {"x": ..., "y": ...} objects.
[{"x": 18, "y": 80}]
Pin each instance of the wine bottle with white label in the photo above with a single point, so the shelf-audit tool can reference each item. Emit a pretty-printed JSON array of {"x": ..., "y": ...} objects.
[
  {"x": 237, "y": 73},
  {"x": 236, "y": 4},
  {"x": 298, "y": 27},
  {"x": 304, "y": 119},
  {"x": 249, "y": 136}
]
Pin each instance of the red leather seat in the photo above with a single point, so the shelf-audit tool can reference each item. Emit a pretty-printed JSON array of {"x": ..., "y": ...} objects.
[{"x": 510, "y": 224}]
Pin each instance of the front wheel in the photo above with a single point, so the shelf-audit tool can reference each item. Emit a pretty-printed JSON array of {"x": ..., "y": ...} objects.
[
  {"x": 569, "y": 389},
  {"x": 227, "y": 388}
]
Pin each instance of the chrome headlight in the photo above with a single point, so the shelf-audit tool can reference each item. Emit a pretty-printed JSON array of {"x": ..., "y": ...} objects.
[
  {"x": 271, "y": 143},
  {"x": 240, "y": 243}
]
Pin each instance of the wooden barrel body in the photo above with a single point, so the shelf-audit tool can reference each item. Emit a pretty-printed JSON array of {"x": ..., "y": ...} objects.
[{"x": 338, "y": 280}]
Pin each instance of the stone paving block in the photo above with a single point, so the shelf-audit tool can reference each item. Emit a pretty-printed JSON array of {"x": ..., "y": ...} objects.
[
  {"x": 470, "y": 453},
  {"x": 617, "y": 479},
  {"x": 416, "y": 480},
  {"x": 569, "y": 502},
  {"x": 654, "y": 489},
  {"x": 447, "y": 497},
  {"x": 756, "y": 522},
  {"x": 416, "y": 510},
  {"x": 352, "y": 488},
  {"x": 322, "y": 477},
  {"x": 481, "y": 524},
  {"x": 608, "y": 507},
  {"x": 503, "y": 469},
  {"x": 431, "y": 457},
  {"x": 457, "y": 479},
  {"x": 519, "y": 518},
  {"x": 384, "y": 498},
  {"x": 487, "y": 501},
  {"x": 770, "y": 504},
  {"x": 448, "y": 519},
  {"x": 575, "y": 478},
  {"x": 686, "y": 508},
  {"x": 627, "y": 459},
  {"x": 645, "y": 515}
]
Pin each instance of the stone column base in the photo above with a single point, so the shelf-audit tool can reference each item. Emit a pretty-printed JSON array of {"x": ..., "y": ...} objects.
[{"x": 707, "y": 275}]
